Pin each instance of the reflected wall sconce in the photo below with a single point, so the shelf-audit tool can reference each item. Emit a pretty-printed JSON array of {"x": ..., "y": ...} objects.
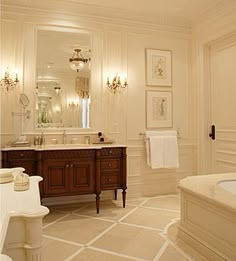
[
  {"x": 77, "y": 61},
  {"x": 116, "y": 85},
  {"x": 7, "y": 83},
  {"x": 73, "y": 104}
]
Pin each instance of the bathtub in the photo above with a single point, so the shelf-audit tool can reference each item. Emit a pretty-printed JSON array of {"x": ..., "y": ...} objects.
[{"x": 208, "y": 215}]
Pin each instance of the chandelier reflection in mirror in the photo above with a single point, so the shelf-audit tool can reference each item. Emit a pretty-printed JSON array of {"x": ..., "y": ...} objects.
[
  {"x": 7, "y": 83},
  {"x": 78, "y": 60},
  {"x": 116, "y": 85}
]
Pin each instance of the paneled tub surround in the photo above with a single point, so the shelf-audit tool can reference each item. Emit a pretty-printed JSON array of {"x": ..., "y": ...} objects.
[
  {"x": 73, "y": 169},
  {"x": 208, "y": 215},
  {"x": 21, "y": 217}
]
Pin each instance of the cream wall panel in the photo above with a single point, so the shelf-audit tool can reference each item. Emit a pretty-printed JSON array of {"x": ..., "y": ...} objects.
[
  {"x": 29, "y": 69},
  {"x": 114, "y": 106},
  {"x": 137, "y": 86},
  {"x": 10, "y": 58},
  {"x": 158, "y": 181}
]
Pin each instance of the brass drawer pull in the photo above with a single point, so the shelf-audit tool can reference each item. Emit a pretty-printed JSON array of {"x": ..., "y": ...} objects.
[
  {"x": 22, "y": 154},
  {"x": 71, "y": 165},
  {"x": 67, "y": 165},
  {"x": 109, "y": 179},
  {"x": 110, "y": 151},
  {"x": 109, "y": 165}
]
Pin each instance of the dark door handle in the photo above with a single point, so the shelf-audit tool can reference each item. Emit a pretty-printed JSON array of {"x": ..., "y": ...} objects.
[{"x": 212, "y": 135}]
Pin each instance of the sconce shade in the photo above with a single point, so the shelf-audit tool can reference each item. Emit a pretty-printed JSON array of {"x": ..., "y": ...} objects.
[{"x": 77, "y": 61}]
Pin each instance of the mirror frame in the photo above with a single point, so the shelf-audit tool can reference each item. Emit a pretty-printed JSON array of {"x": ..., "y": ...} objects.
[{"x": 66, "y": 30}]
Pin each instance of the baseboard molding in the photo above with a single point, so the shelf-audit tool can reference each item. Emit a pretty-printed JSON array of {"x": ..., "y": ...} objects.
[{"x": 209, "y": 253}]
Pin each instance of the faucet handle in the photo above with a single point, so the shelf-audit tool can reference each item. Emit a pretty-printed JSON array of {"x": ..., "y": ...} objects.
[{"x": 87, "y": 139}]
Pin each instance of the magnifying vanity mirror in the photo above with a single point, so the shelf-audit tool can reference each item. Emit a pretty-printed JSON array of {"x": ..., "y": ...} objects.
[
  {"x": 63, "y": 89},
  {"x": 24, "y": 100}
]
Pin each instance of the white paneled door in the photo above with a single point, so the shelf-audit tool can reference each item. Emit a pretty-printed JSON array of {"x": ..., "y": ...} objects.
[{"x": 223, "y": 105}]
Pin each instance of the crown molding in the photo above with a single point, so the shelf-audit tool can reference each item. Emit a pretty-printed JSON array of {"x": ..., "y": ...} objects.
[
  {"x": 219, "y": 12},
  {"x": 101, "y": 16}
]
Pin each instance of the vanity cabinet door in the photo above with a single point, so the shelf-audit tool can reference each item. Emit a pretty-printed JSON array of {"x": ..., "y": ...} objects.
[
  {"x": 82, "y": 176},
  {"x": 56, "y": 177}
]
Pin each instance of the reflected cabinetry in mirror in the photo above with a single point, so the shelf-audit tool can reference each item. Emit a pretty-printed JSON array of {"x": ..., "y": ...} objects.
[{"x": 63, "y": 89}]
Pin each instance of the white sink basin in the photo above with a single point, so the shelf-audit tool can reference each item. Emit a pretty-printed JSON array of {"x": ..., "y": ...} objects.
[
  {"x": 225, "y": 191},
  {"x": 228, "y": 185}
]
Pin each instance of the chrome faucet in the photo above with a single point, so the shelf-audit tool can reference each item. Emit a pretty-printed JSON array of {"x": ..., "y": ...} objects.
[
  {"x": 64, "y": 136},
  {"x": 42, "y": 139}
]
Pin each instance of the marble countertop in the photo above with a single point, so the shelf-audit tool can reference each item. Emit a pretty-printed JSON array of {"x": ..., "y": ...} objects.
[
  {"x": 65, "y": 147},
  {"x": 19, "y": 203},
  {"x": 207, "y": 186}
]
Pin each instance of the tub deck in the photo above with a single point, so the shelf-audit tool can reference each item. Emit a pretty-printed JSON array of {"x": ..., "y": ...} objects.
[{"x": 208, "y": 216}]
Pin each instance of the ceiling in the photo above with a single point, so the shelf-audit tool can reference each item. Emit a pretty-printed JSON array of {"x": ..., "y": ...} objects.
[
  {"x": 188, "y": 10},
  {"x": 167, "y": 12}
]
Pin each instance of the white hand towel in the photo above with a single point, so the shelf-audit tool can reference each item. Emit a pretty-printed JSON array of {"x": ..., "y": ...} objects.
[
  {"x": 162, "y": 150},
  {"x": 156, "y": 152},
  {"x": 149, "y": 134},
  {"x": 171, "y": 155}
]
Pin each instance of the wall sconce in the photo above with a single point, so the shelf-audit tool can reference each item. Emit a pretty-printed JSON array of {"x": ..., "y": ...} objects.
[
  {"x": 116, "y": 84},
  {"x": 7, "y": 83},
  {"x": 73, "y": 104},
  {"x": 57, "y": 88}
]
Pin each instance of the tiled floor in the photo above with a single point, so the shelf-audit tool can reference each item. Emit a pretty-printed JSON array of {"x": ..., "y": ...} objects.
[{"x": 145, "y": 230}]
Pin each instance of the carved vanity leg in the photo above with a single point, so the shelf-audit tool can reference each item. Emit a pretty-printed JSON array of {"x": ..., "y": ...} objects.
[
  {"x": 97, "y": 202},
  {"x": 124, "y": 197},
  {"x": 115, "y": 193}
]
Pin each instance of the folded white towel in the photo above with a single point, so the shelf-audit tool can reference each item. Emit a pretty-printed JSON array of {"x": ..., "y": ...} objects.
[
  {"x": 171, "y": 154},
  {"x": 162, "y": 149},
  {"x": 156, "y": 151},
  {"x": 156, "y": 133}
]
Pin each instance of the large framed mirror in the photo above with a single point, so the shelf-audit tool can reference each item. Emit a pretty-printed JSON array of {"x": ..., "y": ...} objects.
[{"x": 63, "y": 79}]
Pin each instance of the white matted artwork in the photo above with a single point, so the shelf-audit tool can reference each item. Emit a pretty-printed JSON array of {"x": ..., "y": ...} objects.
[
  {"x": 158, "y": 67},
  {"x": 158, "y": 109}
]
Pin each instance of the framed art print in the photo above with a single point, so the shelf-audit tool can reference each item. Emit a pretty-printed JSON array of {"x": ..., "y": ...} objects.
[
  {"x": 158, "y": 109},
  {"x": 158, "y": 67}
]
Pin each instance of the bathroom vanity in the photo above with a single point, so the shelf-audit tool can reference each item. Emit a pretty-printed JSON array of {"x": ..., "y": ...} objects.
[{"x": 72, "y": 170}]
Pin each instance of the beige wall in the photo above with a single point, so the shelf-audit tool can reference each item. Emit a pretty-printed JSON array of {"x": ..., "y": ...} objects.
[{"x": 122, "y": 116}]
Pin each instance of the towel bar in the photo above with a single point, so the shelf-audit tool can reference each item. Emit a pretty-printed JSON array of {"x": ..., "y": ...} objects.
[{"x": 143, "y": 134}]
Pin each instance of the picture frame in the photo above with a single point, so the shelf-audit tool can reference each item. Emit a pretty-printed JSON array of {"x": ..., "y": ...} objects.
[
  {"x": 158, "y": 109},
  {"x": 158, "y": 67}
]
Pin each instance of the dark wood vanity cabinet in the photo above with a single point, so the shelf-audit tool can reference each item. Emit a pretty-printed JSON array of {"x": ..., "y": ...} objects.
[
  {"x": 67, "y": 172},
  {"x": 68, "y": 177},
  {"x": 20, "y": 158},
  {"x": 113, "y": 170},
  {"x": 73, "y": 172}
]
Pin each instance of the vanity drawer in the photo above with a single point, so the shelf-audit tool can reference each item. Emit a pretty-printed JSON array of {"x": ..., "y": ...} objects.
[
  {"x": 23, "y": 154},
  {"x": 111, "y": 152},
  {"x": 110, "y": 164},
  {"x": 111, "y": 180}
]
